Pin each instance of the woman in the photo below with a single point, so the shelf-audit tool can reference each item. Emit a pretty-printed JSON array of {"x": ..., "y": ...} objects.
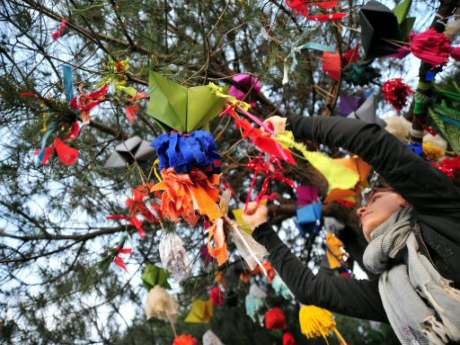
[{"x": 413, "y": 230}]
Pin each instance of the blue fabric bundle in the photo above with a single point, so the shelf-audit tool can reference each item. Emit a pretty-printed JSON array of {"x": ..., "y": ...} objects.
[
  {"x": 185, "y": 151},
  {"x": 309, "y": 218}
]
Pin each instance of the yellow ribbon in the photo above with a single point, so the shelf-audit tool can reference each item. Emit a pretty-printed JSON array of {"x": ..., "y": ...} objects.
[{"x": 219, "y": 92}]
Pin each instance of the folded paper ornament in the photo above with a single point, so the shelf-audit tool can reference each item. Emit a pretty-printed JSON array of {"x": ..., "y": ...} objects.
[
  {"x": 129, "y": 151},
  {"x": 181, "y": 108},
  {"x": 379, "y": 30}
]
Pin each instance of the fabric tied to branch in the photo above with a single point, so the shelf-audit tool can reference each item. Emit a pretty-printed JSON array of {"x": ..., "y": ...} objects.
[{"x": 174, "y": 257}]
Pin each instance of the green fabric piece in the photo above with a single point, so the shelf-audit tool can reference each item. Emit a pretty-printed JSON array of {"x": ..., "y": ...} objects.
[
  {"x": 154, "y": 275},
  {"x": 184, "y": 109},
  {"x": 446, "y": 120}
]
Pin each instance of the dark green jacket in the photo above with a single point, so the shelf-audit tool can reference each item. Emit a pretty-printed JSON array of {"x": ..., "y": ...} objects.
[{"x": 436, "y": 202}]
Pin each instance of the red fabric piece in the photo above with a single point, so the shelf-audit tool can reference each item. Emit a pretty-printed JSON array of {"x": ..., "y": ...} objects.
[
  {"x": 288, "y": 339},
  {"x": 328, "y": 17},
  {"x": 185, "y": 339},
  {"x": 325, "y": 4},
  {"x": 217, "y": 296},
  {"x": 120, "y": 263},
  {"x": 449, "y": 166},
  {"x": 85, "y": 102},
  {"x": 299, "y": 7},
  {"x": 431, "y": 46},
  {"x": 48, "y": 153},
  {"x": 67, "y": 155},
  {"x": 332, "y": 65},
  {"x": 61, "y": 30},
  {"x": 396, "y": 92},
  {"x": 275, "y": 319},
  {"x": 74, "y": 132}
]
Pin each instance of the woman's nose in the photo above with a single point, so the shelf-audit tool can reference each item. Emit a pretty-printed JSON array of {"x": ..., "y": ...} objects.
[{"x": 360, "y": 211}]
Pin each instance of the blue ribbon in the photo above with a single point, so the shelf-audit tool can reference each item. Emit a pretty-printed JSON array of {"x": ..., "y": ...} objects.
[
  {"x": 184, "y": 152},
  {"x": 417, "y": 149},
  {"x": 41, "y": 153},
  {"x": 68, "y": 81}
]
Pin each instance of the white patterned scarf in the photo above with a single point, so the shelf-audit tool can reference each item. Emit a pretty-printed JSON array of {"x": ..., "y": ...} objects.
[{"x": 420, "y": 304}]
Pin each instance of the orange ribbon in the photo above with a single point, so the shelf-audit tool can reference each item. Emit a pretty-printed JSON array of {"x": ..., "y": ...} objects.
[{"x": 216, "y": 235}]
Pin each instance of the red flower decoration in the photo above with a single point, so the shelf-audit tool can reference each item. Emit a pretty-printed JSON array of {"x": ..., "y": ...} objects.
[
  {"x": 118, "y": 260},
  {"x": 217, "y": 296},
  {"x": 288, "y": 339},
  {"x": 185, "y": 339},
  {"x": 275, "y": 319},
  {"x": 431, "y": 46},
  {"x": 299, "y": 7},
  {"x": 396, "y": 92}
]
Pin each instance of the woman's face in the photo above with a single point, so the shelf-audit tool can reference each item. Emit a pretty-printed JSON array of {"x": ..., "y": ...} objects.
[{"x": 381, "y": 205}]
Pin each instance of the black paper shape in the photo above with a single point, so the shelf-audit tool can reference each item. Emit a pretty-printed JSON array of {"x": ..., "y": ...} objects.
[{"x": 379, "y": 26}]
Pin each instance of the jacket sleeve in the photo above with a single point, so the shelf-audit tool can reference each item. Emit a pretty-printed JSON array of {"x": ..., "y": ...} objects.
[
  {"x": 356, "y": 298},
  {"x": 429, "y": 191}
]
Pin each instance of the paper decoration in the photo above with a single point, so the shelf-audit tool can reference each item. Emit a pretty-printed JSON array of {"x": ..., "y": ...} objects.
[
  {"x": 336, "y": 175},
  {"x": 131, "y": 150},
  {"x": 184, "y": 152},
  {"x": 186, "y": 196},
  {"x": 174, "y": 257},
  {"x": 154, "y": 275},
  {"x": 253, "y": 305},
  {"x": 181, "y": 108},
  {"x": 161, "y": 305},
  {"x": 309, "y": 217},
  {"x": 348, "y": 104},
  {"x": 379, "y": 27},
  {"x": 449, "y": 166},
  {"x": 335, "y": 253},
  {"x": 306, "y": 195},
  {"x": 250, "y": 250},
  {"x": 250, "y": 84},
  {"x": 59, "y": 32},
  {"x": 367, "y": 112},
  {"x": 332, "y": 65},
  {"x": 431, "y": 46},
  {"x": 217, "y": 247},
  {"x": 201, "y": 311}
]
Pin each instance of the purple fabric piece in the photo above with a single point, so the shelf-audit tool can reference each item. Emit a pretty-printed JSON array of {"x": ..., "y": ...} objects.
[
  {"x": 246, "y": 80},
  {"x": 306, "y": 195},
  {"x": 349, "y": 104}
]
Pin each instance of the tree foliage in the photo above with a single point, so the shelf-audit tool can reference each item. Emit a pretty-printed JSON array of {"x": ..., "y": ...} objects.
[{"x": 55, "y": 284}]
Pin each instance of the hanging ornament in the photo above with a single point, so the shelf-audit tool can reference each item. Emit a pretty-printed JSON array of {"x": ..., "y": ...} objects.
[
  {"x": 174, "y": 257},
  {"x": 248, "y": 83},
  {"x": 209, "y": 338},
  {"x": 185, "y": 339},
  {"x": 449, "y": 166},
  {"x": 217, "y": 296},
  {"x": 396, "y": 92},
  {"x": 161, "y": 305},
  {"x": 288, "y": 339},
  {"x": 317, "y": 322},
  {"x": 275, "y": 319},
  {"x": 432, "y": 47}
]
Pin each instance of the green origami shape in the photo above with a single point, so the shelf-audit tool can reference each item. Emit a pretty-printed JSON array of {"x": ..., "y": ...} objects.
[
  {"x": 402, "y": 10},
  {"x": 181, "y": 108},
  {"x": 405, "y": 23},
  {"x": 154, "y": 275}
]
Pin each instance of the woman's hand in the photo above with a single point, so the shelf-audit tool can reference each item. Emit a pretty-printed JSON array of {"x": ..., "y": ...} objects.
[
  {"x": 255, "y": 215},
  {"x": 277, "y": 123}
]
